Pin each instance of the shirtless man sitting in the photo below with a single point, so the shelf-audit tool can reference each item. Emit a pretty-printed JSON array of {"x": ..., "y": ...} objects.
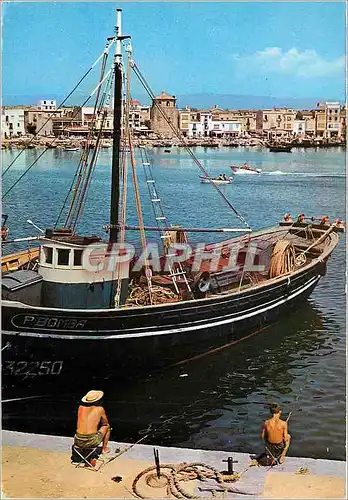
[
  {"x": 275, "y": 434},
  {"x": 92, "y": 423}
]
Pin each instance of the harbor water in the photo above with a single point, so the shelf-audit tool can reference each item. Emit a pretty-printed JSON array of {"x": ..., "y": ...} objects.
[{"x": 218, "y": 401}]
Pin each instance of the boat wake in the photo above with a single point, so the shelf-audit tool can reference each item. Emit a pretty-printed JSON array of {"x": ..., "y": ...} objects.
[{"x": 304, "y": 174}]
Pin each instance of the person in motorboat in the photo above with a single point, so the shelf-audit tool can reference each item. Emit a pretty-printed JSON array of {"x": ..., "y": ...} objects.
[
  {"x": 92, "y": 423},
  {"x": 224, "y": 177}
]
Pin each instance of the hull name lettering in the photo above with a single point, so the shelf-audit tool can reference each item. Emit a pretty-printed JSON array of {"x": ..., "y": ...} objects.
[{"x": 48, "y": 322}]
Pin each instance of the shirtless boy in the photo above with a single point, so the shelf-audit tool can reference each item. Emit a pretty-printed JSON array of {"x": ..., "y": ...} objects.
[
  {"x": 275, "y": 434},
  {"x": 92, "y": 423}
]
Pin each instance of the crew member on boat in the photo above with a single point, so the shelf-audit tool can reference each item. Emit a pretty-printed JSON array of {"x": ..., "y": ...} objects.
[
  {"x": 93, "y": 426},
  {"x": 275, "y": 434}
]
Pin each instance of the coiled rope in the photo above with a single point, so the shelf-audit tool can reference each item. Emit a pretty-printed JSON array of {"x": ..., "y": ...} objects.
[
  {"x": 176, "y": 474},
  {"x": 282, "y": 259}
]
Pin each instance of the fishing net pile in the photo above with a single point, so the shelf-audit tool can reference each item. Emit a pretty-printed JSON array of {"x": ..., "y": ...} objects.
[{"x": 141, "y": 296}]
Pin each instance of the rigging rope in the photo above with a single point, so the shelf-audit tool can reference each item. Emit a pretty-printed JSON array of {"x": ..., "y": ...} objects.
[
  {"x": 106, "y": 50},
  {"x": 80, "y": 173},
  {"x": 148, "y": 271},
  {"x": 89, "y": 171},
  {"x": 182, "y": 139},
  {"x": 44, "y": 151}
]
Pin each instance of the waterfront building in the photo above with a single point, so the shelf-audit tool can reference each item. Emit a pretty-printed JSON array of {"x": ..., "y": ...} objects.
[
  {"x": 309, "y": 118},
  {"x": 214, "y": 122},
  {"x": 343, "y": 121},
  {"x": 206, "y": 118},
  {"x": 87, "y": 114},
  {"x": 77, "y": 122},
  {"x": 278, "y": 122},
  {"x": 247, "y": 118},
  {"x": 12, "y": 122},
  {"x": 304, "y": 124},
  {"x": 69, "y": 123},
  {"x": 320, "y": 121},
  {"x": 139, "y": 118},
  {"x": 159, "y": 125},
  {"x": 47, "y": 105},
  {"x": 37, "y": 121},
  {"x": 184, "y": 121},
  {"x": 226, "y": 129},
  {"x": 333, "y": 124},
  {"x": 299, "y": 129},
  {"x": 195, "y": 127},
  {"x": 330, "y": 121}
]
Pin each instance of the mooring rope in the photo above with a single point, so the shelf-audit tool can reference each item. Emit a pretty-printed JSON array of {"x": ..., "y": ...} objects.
[{"x": 177, "y": 473}]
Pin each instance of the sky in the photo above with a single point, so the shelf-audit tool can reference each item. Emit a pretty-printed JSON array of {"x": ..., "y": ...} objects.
[{"x": 275, "y": 49}]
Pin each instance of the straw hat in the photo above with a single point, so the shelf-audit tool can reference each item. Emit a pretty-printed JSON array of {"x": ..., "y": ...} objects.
[{"x": 92, "y": 396}]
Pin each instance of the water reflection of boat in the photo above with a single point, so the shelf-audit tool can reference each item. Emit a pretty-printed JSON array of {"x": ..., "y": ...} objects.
[
  {"x": 217, "y": 180},
  {"x": 245, "y": 169},
  {"x": 214, "y": 383}
]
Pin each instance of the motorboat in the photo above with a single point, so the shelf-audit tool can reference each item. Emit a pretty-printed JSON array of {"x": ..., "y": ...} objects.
[
  {"x": 245, "y": 169},
  {"x": 218, "y": 180}
]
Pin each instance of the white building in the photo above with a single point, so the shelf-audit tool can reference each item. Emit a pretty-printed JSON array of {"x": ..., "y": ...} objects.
[
  {"x": 206, "y": 120},
  {"x": 228, "y": 128},
  {"x": 47, "y": 105},
  {"x": 12, "y": 122},
  {"x": 195, "y": 129},
  {"x": 299, "y": 127}
]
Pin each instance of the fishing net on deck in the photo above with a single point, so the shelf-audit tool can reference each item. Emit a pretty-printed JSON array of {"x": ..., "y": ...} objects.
[{"x": 140, "y": 296}]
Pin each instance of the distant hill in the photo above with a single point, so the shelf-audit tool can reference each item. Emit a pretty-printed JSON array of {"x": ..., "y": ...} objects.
[
  {"x": 231, "y": 101},
  {"x": 199, "y": 101}
]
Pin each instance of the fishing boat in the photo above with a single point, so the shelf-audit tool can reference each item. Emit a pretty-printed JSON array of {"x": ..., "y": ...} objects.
[
  {"x": 20, "y": 260},
  {"x": 280, "y": 148},
  {"x": 92, "y": 307},
  {"x": 245, "y": 169},
  {"x": 216, "y": 180}
]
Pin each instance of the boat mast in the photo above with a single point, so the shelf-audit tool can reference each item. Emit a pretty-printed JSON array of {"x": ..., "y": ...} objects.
[{"x": 115, "y": 175}]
